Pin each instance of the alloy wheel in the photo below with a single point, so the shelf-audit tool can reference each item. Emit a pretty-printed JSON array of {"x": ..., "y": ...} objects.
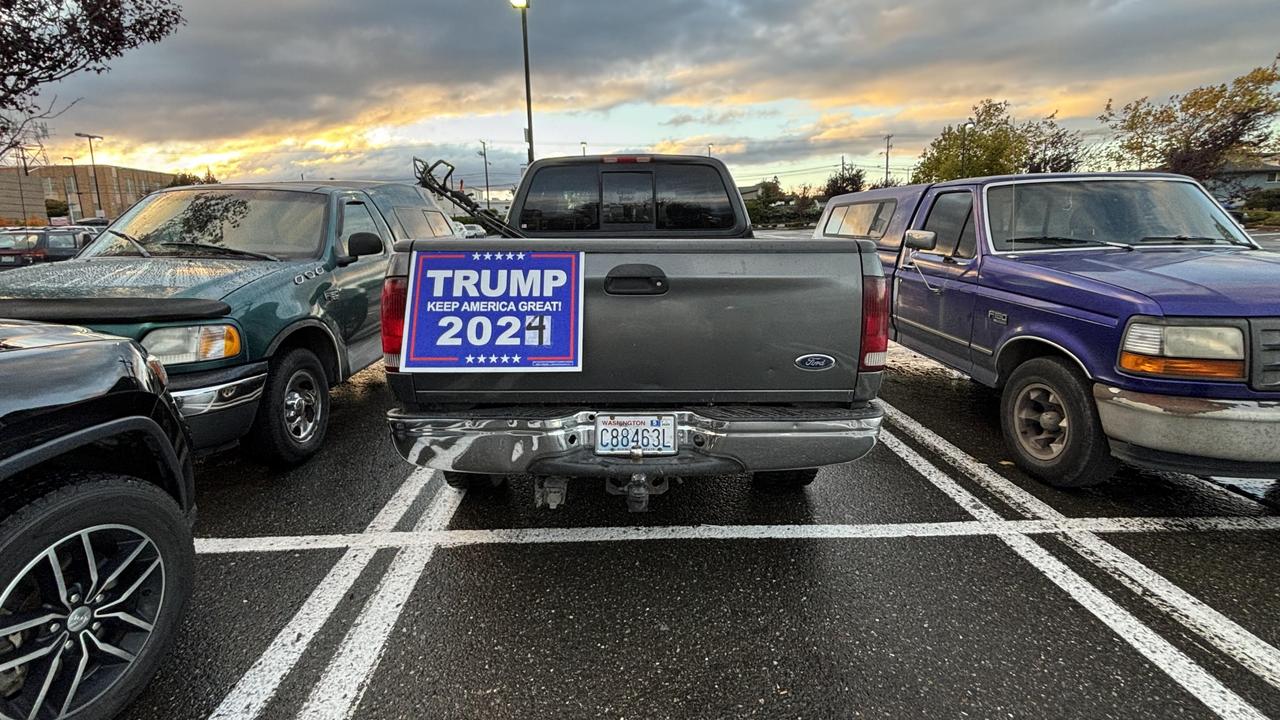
[
  {"x": 1040, "y": 419},
  {"x": 302, "y": 406}
]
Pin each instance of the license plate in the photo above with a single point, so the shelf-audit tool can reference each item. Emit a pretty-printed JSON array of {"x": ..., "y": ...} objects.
[
  {"x": 7, "y": 259},
  {"x": 624, "y": 434}
]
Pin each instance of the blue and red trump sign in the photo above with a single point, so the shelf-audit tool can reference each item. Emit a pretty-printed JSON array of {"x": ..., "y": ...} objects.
[{"x": 494, "y": 312}]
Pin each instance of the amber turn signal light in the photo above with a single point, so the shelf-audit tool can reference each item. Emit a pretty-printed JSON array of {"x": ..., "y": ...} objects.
[{"x": 1182, "y": 367}]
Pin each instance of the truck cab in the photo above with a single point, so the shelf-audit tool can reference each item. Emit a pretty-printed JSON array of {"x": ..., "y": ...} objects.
[{"x": 1123, "y": 316}]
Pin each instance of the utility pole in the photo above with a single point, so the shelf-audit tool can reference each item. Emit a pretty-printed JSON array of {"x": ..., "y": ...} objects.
[
  {"x": 887, "y": 148},
  {"x": 484, "y": 153},
  {"x": 75, "y": 183},
  {"x": 842, "y": 166},
  {"x": 22, "y": 196}
]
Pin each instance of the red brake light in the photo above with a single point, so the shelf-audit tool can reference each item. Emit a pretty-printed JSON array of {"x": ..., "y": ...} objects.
[
  {"x": 395, "y": 293},
  {"x": 625, "y": 159},
  {"x": 875, "y": 323}
]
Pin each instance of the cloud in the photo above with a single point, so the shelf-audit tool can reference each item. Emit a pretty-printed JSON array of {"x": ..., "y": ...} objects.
[{"x": 257, "y": 88}]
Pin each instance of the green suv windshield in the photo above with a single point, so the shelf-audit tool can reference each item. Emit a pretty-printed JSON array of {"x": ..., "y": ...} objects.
[
  {"x": 218, "y": 222},
  {"x": 1078, "y": 214}
]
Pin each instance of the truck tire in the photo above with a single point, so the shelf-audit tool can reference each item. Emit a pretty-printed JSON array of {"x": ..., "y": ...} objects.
[
  {"x": 473, "y": 481},
  {"x": 144, "y": 562},
  {"x": 784, "y": 479},
  {"x": 293, "y": 413},
  {"x": 1051, "y": 426}
]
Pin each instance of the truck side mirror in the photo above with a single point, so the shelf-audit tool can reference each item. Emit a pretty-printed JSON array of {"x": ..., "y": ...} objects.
[
  {"x": 364, "y": 243},
  {"x": 921, "y": 240}
]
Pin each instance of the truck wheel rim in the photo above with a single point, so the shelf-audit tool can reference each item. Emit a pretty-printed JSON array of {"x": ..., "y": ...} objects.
[
  {"x": 76, "y": 618},
  {"x": 302, "y": 406},
  {"x": 1040, "y": 420}
]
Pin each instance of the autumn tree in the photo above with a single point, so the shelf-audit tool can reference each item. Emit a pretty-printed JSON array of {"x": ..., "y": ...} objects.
[
  {"x": 1051, "y": 148},
  {"x": 989, "y": 144},
  {"x": 44, "y": 41},
  {"x": 1197, "y": 132},
  {"x": 848, "y": 179},
  {"x": 185, "y": 178}
]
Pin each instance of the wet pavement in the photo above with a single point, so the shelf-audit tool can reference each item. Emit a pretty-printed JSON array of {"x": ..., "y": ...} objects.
[{"x": 930, "y": 579}]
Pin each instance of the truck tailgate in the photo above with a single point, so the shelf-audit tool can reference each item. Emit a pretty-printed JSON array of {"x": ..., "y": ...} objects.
[{"x": 729, "y": 324}]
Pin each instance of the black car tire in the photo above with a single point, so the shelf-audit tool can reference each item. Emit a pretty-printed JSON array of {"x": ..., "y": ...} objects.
[
  {"x": 784, "y": 479},
  {"x": 473, "y": 481},
  {"x": 1084, "y": 458},
  {"x": 41, "y": 515},
  {"x": 274, "y": 437}
]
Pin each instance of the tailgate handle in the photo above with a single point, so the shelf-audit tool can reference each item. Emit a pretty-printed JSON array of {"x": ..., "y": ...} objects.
[{"x": 636, "y": 280}]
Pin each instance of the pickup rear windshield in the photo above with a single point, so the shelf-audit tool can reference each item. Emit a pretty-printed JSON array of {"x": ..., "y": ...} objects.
[
  {"x": 577, "y": 198},
  {"x": 1063, "y": 214}
]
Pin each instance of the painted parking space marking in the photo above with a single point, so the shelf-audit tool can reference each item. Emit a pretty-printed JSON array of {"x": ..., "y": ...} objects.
[
  {"x": 1160, "y": 652},
  {"x": 1244, "y": 647},
  {"x": 997, "y": 526},
  {"x": 347, "y": 676},
  {"x": 259, "y": 684}
]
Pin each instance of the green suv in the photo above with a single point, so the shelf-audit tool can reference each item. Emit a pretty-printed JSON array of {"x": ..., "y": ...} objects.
[{"x": 257, "y": 298}]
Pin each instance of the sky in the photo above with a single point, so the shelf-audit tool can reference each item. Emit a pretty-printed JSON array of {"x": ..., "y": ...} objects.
[{"x": 260, "y": 90}]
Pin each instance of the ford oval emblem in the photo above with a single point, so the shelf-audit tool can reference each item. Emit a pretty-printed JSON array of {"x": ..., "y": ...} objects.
[{"x": 815, "y": 362}]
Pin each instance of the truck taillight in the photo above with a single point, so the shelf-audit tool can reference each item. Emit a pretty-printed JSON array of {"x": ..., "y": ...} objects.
[
  {"x": 875, "y": 323},
  {"x": 395, "y": 293}
]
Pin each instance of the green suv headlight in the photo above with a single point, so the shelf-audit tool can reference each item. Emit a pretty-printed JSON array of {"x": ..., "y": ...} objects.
[{"x": 195, "y": 343}]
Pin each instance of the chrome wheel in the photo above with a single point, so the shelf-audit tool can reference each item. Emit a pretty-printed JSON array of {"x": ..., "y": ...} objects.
[
  {"x": 302, "y": 406},
  {"x": 75, "y": 619},
  {"x": 1041, "y": 422}
]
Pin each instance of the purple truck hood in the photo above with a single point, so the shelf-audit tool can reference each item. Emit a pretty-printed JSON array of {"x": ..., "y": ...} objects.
[{"x": 1183, "y": 281}]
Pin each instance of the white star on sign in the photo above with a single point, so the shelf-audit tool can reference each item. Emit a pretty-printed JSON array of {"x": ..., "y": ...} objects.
[
  {"x": 470, "y": 359},
  {"x": 519, "y": 256},
  {"x": 481, "y": 359},
  {"x": 515, "y": 359},
  {"x": 476, "y": 256},
  {"x": 493, "y": 358},
  {"x": 511, "y": 256},
  {"x": 506, "y": 359}
]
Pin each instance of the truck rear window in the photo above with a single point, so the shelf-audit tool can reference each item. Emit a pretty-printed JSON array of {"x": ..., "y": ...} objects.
[
  {"x": 563, "y": 198},
  {"x": 673, "y": 197},
  {"x": 867, "y": 220}
]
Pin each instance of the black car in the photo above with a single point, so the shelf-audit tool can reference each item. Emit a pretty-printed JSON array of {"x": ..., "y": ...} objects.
[
  {"x": 96, "y": 505},
  {"x": 28, "y": 246}
]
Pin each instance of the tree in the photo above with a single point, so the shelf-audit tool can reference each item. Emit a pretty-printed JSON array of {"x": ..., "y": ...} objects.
[
  {"x": 770, "y": 191},
  {"x": 44, "y": 41},
  {"x": 846, "y": 180},
  {"x": 1051, "y": 147},
  {"x": 56, "y": 208},
  {"x": 185, "y": 178},
  {"x": 1197, "y": 132},
  {"x": 882, "y": 183},
  {"x": 989, "y": 144}
]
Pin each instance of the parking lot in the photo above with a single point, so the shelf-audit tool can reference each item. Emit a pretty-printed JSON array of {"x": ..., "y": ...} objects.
[{"x": 931, "y": 578}]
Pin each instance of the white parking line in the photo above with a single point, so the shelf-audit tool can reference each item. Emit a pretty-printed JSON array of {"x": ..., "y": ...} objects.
[
  {"x": 1225, "y": 634},
  {"x": 344, "y": 682},
  {"x": 1176, "y": 664},
  {"x": 259, "y": 684},
  {"x": 524, "y": 536}
]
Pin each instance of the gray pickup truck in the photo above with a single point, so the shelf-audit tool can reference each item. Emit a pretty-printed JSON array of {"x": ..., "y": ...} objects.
[{"x": 637, "y": 331}]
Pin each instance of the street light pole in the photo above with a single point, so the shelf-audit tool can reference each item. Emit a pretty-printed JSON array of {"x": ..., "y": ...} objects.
[
  {"x": 75, "y": 181},
  {"x": 484, "y": 153},
  {"x": 584, "y": 148},
  {"x": 709, "y": 146},
  {"x": 964, "y": 148},
  {"x": 97, "y": 189},
  {"x": 523, "y": 7}
]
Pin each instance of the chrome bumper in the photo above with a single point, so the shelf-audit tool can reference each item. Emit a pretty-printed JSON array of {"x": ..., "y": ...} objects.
[
  {"x": 565, "y": 445},
  {"x": 1233, "y": 430},
  {"x": 216, "y": 398}
]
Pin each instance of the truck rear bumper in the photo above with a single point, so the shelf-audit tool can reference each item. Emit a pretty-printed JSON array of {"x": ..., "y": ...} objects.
[
  {"x": 1237, "y": 436},
  {"x": 709, "y": 441}
]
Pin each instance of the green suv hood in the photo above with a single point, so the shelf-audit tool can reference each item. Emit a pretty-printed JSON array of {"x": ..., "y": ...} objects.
[{"x": 133, "y": 277}]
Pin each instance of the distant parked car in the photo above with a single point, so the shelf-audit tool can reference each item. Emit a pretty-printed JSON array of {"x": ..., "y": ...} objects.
[
  {"x": 29, "y": 246},
  {"x": 96, "y": 555},
  {"x": 475, "y": 231}
]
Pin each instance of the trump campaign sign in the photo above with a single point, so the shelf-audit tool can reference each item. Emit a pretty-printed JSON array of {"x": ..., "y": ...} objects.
[{"x": 486, "y": 311}]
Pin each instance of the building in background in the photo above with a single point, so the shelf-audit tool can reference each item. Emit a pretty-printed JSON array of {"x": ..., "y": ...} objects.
[
  {"x": 120, "y": 187},
  {"x": 21, "y": 198},
  {"x": 1244, "y": 177}
]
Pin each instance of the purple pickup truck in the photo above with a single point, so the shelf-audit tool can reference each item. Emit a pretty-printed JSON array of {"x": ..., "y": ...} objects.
[{"x": 1125, "y": 317}]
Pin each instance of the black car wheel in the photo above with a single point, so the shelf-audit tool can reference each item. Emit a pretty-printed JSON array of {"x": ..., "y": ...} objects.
[
  {"x": 95, "y": 572},
  {"x": 1051, "y": 425},
  {"x": 293, "y": 413}
]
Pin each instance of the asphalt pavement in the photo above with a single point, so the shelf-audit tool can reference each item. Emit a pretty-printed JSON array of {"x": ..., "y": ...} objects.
[{"x": 930, "y": 579}]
